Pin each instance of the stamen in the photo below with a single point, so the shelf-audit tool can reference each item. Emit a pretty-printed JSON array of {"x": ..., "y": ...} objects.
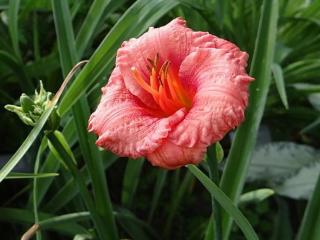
[
  {"x": 172, "y": 89},
  {"x": 166, "y": 104},
  {"x": 141, "y": 81},
  {"x": 156, "y": 60},
  {"x": 166, "y": 69},
  {"x": 160, "y": 80},
  {"x": 153, "y": 80},
  {"x": 151, "y": 63},
  {"x": 164, "y": 86}
]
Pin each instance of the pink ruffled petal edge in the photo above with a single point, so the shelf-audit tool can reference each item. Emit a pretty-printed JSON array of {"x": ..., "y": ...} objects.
[
  {"x": 221, "y": 85},
  {"x": 171, "y": 156},
  {"x": 123, "y": 124}
]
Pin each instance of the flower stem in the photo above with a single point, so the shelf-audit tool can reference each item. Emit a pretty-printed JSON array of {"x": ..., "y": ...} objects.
[{"x": 214, "y": 176}]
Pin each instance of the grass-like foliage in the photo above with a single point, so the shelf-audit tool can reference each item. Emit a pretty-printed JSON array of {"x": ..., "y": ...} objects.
[{"x": 261, "y": 181}]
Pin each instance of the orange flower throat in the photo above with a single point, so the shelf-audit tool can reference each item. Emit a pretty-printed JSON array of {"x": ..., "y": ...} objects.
[{"x": 164, "y": 86}]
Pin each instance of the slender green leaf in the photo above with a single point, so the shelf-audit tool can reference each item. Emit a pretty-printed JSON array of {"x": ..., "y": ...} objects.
[
  {"x": 307, "y": 87},
  {"x": 52, "y": 164},
  {"x": 161, "y": 178},
  {"x": 14, "y": 6},
  {"x": 214, "y": 156},
  {"x": 209, "y": 232},
  {"x": 278, "y": 77},
  {"x": 62, "y": 219},
  {"x": 225, "y": 203},
  {"x": 314, "y": 99},
  {"x": 65, "y": 37},
  {"x": 64, "y": 155},
  {"x": 282, "y": 227},
  {"x": 176, "y": 200},
  {"x": 14, "y": 175},
  {"x": 35, "y": 33},
  {"x": 222, "y": 12},
  {"x": 69, "y": 189},
  {"x": 303, "y": 70},
  {"x": 13, "y": 63},
  {"x": 131, "y": 180},
  {"x": 81, "y": 111},
  {"x": 234, "y": 174},
  {"x": 94, "y": 163},
  {"x": 311, "y": 126},
  {"x": 309, "y": 229},
  {"x": 22, "y": 216},
  {"x": 65, "y": 145},
  {"x": 94, "y": 16},
  {"x": 136, "y": 228},
  {"x": 76, "y": 5}
]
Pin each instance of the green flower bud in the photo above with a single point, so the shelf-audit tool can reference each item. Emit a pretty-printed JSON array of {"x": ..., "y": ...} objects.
[
  {"x": 32, "y": 108},
  {"x": 27, "y": 103}
]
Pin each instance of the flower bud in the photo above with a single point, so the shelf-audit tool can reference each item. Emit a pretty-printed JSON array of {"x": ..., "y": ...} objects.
[
  {"x": 31, "y": 108},
  {"x": 26, "y": 103}
]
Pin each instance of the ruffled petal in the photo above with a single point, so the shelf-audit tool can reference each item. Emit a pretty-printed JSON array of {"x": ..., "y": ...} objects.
[
  {"x": 206, "y": 40},
  {"x": 171, "y": 156},
  {"x": 172, "y": 42},
  {"x": 124, "y": 125},
  {"x": 220, "y": 83}
]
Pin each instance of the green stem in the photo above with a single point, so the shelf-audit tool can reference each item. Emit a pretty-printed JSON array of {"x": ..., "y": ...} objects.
[
  {"x": 69, "y": 161},
  {"x": 214, "y": 176}
]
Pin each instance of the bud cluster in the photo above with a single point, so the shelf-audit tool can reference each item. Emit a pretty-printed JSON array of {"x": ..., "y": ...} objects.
[{"x": 31, "y": 108}]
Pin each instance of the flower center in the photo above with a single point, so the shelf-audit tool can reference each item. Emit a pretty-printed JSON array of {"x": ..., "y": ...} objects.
[{"x": 164, "y": 86}]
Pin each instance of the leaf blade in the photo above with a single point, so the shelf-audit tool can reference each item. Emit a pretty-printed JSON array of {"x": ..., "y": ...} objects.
[
  {"x": 225, "y": 203},
  {"x": 279, "y": 80},
  {"x": 233, "y": 177}
]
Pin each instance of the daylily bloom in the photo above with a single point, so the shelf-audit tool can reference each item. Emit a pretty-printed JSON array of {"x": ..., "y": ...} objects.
[{"x": 172, "y": 93}]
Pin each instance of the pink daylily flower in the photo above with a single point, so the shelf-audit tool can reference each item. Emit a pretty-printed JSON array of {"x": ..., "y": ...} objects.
[{"x": 173, "y": 92}]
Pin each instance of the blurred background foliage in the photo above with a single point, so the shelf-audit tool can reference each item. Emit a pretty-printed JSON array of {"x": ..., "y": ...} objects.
[{"x": 151, "y": 203}]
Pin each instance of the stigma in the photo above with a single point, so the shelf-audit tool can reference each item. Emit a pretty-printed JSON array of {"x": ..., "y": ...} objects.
[{"x": 164, "y": 86}]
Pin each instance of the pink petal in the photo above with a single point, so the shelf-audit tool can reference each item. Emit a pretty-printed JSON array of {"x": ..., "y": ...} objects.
[
  {"x": 124, "y": 125},
  {"x": 172, "y": 42},
  {"x": 220, "y": 82},
  {"x": 171, "y": 156}
]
